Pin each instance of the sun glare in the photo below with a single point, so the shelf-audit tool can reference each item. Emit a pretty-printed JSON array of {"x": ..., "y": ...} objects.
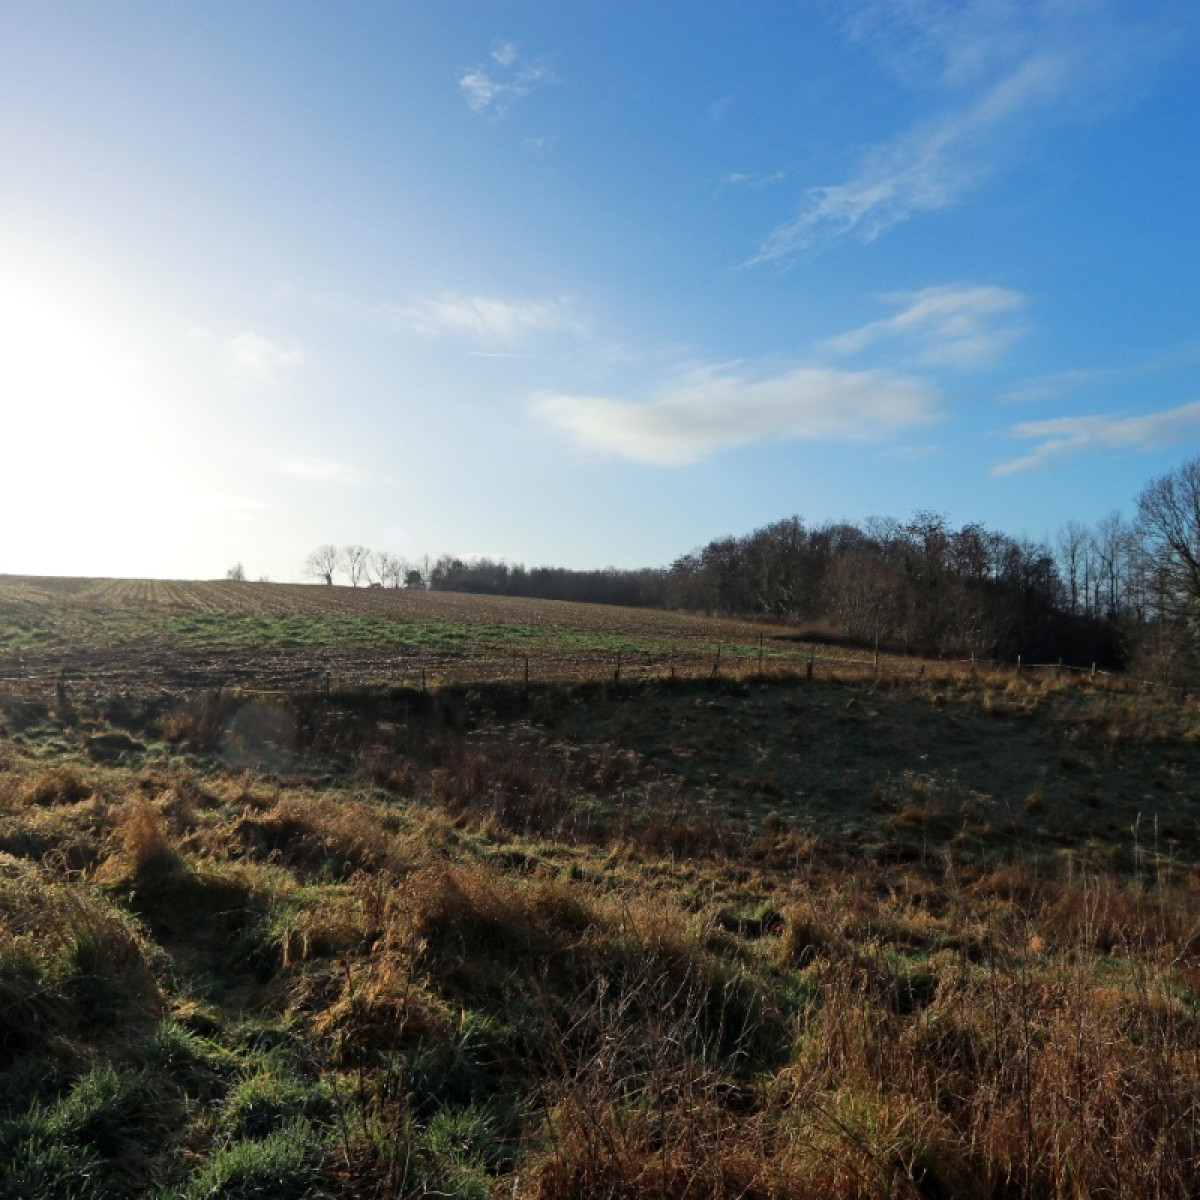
[{"x": 77, "y": 491}]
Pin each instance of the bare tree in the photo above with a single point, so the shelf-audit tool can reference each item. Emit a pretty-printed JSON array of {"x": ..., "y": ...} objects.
[
  {"x": 1072, "y": 546},
  {"x": 236, "y": 573},
  {"x": 389, "y": 568},
  {"x": 1114, "y": 540},
  {"x": 356, "y": 560},
  {"x": 322, "y": 563},
  {"x": 865, "y": 595},
  {"x": 1169, "y": 523}
]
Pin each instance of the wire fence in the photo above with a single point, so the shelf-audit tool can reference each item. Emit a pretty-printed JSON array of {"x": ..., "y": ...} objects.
[{"x": 79, "y": 681}]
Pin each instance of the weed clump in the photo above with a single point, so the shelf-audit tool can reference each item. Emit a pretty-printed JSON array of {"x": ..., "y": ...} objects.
[
  {"x": 56, "y": 785},
  {"x": 71, "y": 965},
  {"x": 321, "y": 836}
]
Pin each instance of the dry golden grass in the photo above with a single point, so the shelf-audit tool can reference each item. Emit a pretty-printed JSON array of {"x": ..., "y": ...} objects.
[
  {"x": 644, "y": 979},
  {"x": 72, "y": 966},
  {"x": 338, "y": 836},
  {"x": 140, "y": 832},
  {"x": 56, "y": 785}
]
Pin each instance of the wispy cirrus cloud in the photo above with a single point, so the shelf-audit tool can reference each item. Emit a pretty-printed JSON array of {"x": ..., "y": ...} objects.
[
  {"x": 957, "y": 325},
  {"x": 1061, "y": 383},
  {"x": 1067, "y": 437},
  {"x": 719, "y": 109},
  {"x": 1050, "y": 387},
  {"x": 505, "y": 53},
  {"x": 496, "y": 320},
  {"x": 323, "y": 470},
  {"x": 256, "y": 357},
  {"x": 747, "y": 180},
  {"x": 717, "y": 408},
  {"x": 997, "y": 74},
  {"x": 489, "y": 318},
  {"x": 492, "y": 87},
  {"x": 250, "y": 355}
]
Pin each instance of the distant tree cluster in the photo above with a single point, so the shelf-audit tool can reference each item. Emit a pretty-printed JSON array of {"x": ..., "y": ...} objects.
[
  {"x": 920, "y": 585},
  {"x": 1121, "y": 592},
  {"x": 608, "y": 585},
  {"x": 1118, "y": 593},
  {"x": 360, "y": 566}
]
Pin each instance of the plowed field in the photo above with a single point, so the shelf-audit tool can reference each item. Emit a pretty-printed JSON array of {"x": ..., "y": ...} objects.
[{"x": 131, "y": 634}]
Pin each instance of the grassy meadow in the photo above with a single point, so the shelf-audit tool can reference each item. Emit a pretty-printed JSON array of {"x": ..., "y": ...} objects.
[{"x": 353, "y": 932}]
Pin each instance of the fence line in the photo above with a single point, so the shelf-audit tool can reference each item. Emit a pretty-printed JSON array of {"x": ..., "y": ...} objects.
[{"x": 427, "y": 671}]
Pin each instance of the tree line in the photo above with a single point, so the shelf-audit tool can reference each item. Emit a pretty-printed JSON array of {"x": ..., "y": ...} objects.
[
  {"x": 362, "y": 567},
  {"x": 1120, "y": 593}
]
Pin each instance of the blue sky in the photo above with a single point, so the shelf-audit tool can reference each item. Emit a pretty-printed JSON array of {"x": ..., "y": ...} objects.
[{"x": 586, "y": 283}]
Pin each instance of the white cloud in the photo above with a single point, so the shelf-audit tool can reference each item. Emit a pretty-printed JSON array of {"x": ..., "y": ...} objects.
[
  {"x": 957, "y": 325},
  {"x": 492, "y": 89},
  {"x": 256, "y": 357},
  {"x": 491, "y": 319},
  {"x": 1050, "y": 387},
  {"x": 1060, "y": 383},
  {"x": 480, "y": 89},
  {"x": 1002, "y": 73},
  {"x": 929, "y": 168},
  {"x": 505, "y": 53},
  {"x": 488, "y": 318},
  {"x": 1067, "y": 437},
  {"x": 745, "y": 179},
  {"x": 718, "y": 408},
  {"x": 322, "y": 470},
  {"x": 929, "y": 43}
]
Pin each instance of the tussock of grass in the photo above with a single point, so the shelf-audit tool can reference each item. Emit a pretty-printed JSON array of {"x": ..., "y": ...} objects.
[
  {"x": 71, "y": 965},
  {"x": 56, "y": 785},
  {"x": 477, "y": 928},
  {"x": 140, "y": 832},
  {"x": 325, "y": 836},
  {"x": 283, "y": 1165},
  {"x": 83, "y": 1143}
]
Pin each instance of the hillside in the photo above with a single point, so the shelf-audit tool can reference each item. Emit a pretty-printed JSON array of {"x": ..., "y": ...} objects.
[
  {"x": 144, "y": 633},
  {"x": 752, "y": 935}
]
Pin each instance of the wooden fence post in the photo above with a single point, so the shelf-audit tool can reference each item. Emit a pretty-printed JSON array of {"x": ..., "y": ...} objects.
[{"x": 717, "y": 663}]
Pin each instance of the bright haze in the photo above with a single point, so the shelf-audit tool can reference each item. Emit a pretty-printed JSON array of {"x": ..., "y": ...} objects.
[{"x": 584, "y": 283}]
